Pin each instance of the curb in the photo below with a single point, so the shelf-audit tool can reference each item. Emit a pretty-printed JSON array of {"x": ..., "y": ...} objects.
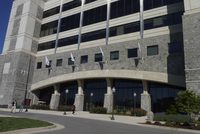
[
  {"x": 123, "y": 122},
  {"x": 169, "y": 128}
]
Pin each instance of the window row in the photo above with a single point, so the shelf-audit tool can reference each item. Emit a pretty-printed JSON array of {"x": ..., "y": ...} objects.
[
  {"x": 173, "y": 47},
  {"x": 67, "y": 6},
  {"x": 118, "y": 9},
  {"x": 167, "y": 20}
]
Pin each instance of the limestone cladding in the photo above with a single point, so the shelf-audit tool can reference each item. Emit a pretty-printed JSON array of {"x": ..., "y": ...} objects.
[
  {"x": 191, "y": 32},
  {"x": 163, "y": 62},
  {"x": 14, "y": 81}
]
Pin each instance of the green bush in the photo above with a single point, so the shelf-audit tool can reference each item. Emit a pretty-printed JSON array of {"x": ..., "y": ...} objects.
[
  {"x": 65, "y": 108},
  {"x": 40, "y": 107},
  {"x": 188, "y": 102},
  {"x": 98, "y": 110},
  {"x": 138, "y": 112},
  {"x": 178, "y": 118},
  {"x": 172, "y": 110}
]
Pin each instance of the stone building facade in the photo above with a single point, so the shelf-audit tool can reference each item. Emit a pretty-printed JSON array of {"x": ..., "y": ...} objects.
[{"x": 169, "y": 54}]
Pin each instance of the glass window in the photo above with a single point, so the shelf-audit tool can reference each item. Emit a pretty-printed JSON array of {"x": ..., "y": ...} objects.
[
  {"x": 70, "y": 62},
  {"x": 51, "y": 12},
  {"x": 84, "y": 59},
  {"x": 98, "y": 57},
  {"x": 114, "y": 55},
  {"x": 70, "y": 5},
  {"x": 118, "y": 9},
  {"x": 174, "y": 47},
  {"x": 39, "y": 65},
  {"x": 166, "y": 20},
  {"x": 152, "y": 50},
  {"x": 132, "y": 53},
  {"x": 59, "y": 62}
]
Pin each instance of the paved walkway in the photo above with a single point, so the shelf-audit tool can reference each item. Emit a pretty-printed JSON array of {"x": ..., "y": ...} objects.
[
  {"x": 85, "y": 123},
  {"x": 80, "y": 114}
]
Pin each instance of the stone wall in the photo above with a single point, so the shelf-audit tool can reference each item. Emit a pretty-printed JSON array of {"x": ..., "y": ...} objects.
[
  {"x": 164, "y": 63},
  {"x": 191, "y": 30}
]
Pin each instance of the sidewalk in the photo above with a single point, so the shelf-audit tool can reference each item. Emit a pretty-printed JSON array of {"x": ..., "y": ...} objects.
[
  {"x": 80, "y": 114},
  {"x": 104, "y": 117}
]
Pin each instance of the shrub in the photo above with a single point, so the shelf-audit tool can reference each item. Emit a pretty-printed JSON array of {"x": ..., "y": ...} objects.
[
  {"x": 64, "y": 108},
  {"x": 98, "y": 110},
  {"x": 186, "y": 124},
  {"x": 138, "y": 112},
  {"x": 40, "y": 107},
  {"x": 188, "y": 102},
  {"x": 172, "y": 110},
  {"x": 172, "y": 118}
]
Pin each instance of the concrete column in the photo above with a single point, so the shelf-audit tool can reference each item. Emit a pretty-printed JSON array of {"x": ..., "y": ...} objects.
[
  {"x": 79, "y": 98},
  {"x": 145, "y": 98},
  {"x": 108, "y": 98},
  {"x": 55, "y": 98},
  {"x": 35, "y": 99}
]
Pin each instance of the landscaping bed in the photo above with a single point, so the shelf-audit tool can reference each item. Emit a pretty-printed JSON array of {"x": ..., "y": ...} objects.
[
  {"x": 12, "y": 123},
  {"x": 175, "y": 121}
]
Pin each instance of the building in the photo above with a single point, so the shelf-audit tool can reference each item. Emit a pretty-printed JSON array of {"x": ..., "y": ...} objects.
[{"x": 150, "y": 70}]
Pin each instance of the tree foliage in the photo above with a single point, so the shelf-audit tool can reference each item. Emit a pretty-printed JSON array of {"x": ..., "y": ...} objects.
[{"x": 188, "y": 102}]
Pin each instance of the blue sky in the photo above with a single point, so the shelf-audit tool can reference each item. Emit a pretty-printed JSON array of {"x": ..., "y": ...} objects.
[{"x": 5, "y": 7}]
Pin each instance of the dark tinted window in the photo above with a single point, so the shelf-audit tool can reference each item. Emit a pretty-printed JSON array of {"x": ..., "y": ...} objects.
[
  {"x": 84, "y": 59},
  {"x": 98, "y": 57},
  {"x": 39, "y": 65},
  {"x": 49, "y": 28},
  {"x": 51, "y": 12},
  {"x": 152, "y": 50},
  {"x": 95, "y": 15},
  {"x": 70, "y": 22},
  {"x": 46, "y": 45},
  {"x": 59, "y": 62},
  {"x": 118, "y": 9},
  {"x": 114, "y": 55},
  {"x": 132, "y": 53},
  {"x": 167, "y": 20},
  {"x": 70, "y": 5},
  {"x": 89, "y": 1}
]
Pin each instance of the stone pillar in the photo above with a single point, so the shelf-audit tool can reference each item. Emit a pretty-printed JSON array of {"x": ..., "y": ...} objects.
[
  {"x": 79, "y": 98},
  {"x": 35, "y": 99},
  {"x": 55, "y": 98},
  {"x": 108, "y": 98},
  {"x": 145, "y": 98}
]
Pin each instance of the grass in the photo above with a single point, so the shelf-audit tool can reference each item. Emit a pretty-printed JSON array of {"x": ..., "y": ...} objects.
[{"x": 12, "y": 123}]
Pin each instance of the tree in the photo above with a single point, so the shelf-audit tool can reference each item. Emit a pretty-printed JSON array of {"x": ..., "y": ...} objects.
[{"x": 188, "y": 102}]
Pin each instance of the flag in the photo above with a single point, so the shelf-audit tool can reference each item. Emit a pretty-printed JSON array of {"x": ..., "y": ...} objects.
[
  {"x": 139, "y": 50},
  {"x": 141, "y": 19},
  {"x": 101, "y": 51},
  {"x": 47, "y": 61},
  {"x": 72, "y": 57}
]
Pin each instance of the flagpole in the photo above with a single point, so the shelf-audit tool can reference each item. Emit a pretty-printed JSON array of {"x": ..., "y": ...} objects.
[
  {"x": 141, "y": 19},
  {"x": 108, "y": 22},
  {"x": 58, "y": 27},
  {"x": 141, "y": 26},
  {"x": 81, "y": 23}
]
